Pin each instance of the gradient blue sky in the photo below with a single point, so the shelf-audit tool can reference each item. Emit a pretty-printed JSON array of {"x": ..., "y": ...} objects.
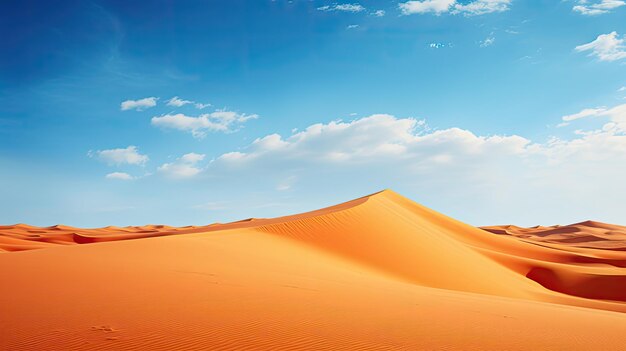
[{"x": 490, "y": 111}]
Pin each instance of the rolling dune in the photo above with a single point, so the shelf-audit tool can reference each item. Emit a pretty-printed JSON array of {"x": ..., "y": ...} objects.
[
  {"x": 376, "y": 273},
  {"x": 588, "y": 234},
  {"x": 20, "y": 237}
]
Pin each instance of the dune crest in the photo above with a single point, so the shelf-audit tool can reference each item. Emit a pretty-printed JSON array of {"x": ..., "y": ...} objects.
[{"x": 379, "y": 272}]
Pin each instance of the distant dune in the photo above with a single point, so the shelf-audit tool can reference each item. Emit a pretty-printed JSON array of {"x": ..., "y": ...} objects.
[
  {"x": 588, "y": 234},
  {"x": 377, "y": 273},
  {"x": 20, "y": 237}
]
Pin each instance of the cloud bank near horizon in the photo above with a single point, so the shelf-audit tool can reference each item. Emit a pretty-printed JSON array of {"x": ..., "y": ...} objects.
[{"x": 382, "y": 150}]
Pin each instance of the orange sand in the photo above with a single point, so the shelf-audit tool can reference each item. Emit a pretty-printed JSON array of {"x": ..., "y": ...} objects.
[
  {"x": 588, "y": 234},
  {"x": 376, "y": 273}
]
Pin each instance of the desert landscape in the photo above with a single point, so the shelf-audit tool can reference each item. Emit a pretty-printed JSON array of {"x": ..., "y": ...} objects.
[
  {"x": 136, "y": 137},
  {"x": 377, "y": 273}
]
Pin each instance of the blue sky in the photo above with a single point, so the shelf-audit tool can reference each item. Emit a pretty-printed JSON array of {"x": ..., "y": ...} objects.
[{"x": 192, "y": 112}]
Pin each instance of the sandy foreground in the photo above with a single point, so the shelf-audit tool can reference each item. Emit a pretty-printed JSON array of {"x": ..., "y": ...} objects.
[{"x": 376, "y": 273}]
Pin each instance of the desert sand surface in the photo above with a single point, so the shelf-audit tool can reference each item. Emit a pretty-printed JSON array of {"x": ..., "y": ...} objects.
[{"x": 377, "y": 273}]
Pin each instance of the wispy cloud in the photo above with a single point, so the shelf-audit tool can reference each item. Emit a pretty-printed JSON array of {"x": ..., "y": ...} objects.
[
  {"x": 342, "y": 8},
  {"x": 119, "y": 176},
  {"x": 218, "y": 121},
  {"x": 588, "y": 112},
  {"x": 184, "y": 167},
  {"x": 378, "y": 13},
  {"x": 139, "y": 105},
  {"x": 129, "y": 155},
  {"x": 352, "y": 26},
  {"x": 606, "y": 47},
  {"x": 201, "y": 106},
  {"x": 286, "y": 183},
  {"x": 616, "y": 118},
  {"x": 488, "y": 41},
  {"x": 178, "y": 102},
  {"x": 593, "y": 8},
  {"x": 436, "y": 45},
  {"x": 438, "y": 7}
]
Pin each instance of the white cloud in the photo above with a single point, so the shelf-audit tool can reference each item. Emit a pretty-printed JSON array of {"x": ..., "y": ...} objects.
[
  {"x": 588, "y": 8},
  {"x": 607, "y": 47},
  {"x": 352, "y": 26},
  {"x": 218, "y": 121},
  {"x": 342, "y": 7},
  {"x": 473, "y": 8},
  {"x": 616, "y": 118},
  {"x": 426, "y": 6},
  {"x": 434, "y": 45},
  {"x": 139, "y": 105},
  {"x": 129, "y": 155},
  {"x": 378, "y": 13},
  {"x": 481, "y": 7},
  {"x": 184, "y": 167},
  {"x": 462, "y": 173},
  {"x": 487, "y": 42},
  {"x": 119, "y": 176},
  {"x": 454, "y": 169},
  {"x": 414, "y": 149},
  {"x": 178, "y": 102},
  {"x": 371, "y": 139},
  {"x": 201, "y": 106},
  {"x": 622, "y": 89},
  {"x": 588, "y": 112}
]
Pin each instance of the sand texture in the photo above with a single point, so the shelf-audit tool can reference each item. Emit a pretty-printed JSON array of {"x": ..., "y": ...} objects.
[{"x": 377, "y": 273}]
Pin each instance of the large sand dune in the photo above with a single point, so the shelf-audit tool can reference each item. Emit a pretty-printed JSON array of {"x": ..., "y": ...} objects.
[{"x": 380, "y": 273}]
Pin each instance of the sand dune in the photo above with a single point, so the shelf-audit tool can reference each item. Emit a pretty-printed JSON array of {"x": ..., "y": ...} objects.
[
  {"x": 377, "y": 273},
  {"x": 20, "y": 237},
  {"x": 588, "y": 234}
]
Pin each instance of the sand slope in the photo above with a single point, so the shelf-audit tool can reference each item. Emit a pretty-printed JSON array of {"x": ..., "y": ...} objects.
[{"x": 376, "y": 273}]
